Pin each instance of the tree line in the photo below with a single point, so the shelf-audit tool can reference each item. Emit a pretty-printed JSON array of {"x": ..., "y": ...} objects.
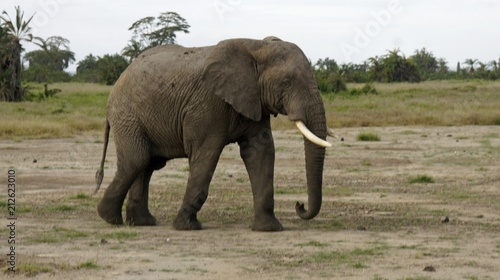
[
  {"x": 48, "y": 63},
  {"x": 394, "y": 66}
]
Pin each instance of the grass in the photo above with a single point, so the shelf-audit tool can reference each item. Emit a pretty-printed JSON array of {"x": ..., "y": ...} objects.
[
  {"x": 312, "y": 243},
  {"x": 432, "y": 103},
  {"x": 88, "y": 265},
  {"x": 32, "y": 269},
  {"x": 121, "y": 235},
  {"x": 79, "y": 108},
  {"x": 354, "y": 258},
  {"x": 58, "y": 235},
  {"x": 81, "y": 196},
  {"x": 61, "y": 208},
  {"x": 368, "y": 136},
  {"x": 421, "y": 179}
]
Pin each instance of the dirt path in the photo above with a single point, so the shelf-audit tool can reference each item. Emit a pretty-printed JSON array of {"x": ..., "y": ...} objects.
[{"x": 374, "y": 223}]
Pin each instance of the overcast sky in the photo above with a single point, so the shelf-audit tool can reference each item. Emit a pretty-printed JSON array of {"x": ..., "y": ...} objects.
[{"x": 347, "y": 31}]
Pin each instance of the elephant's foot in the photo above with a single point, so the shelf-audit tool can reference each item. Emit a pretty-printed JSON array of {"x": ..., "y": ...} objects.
[
  {"x": 186, "y": 221},
  {"x": 135, "y": 218},
  {"x": 266, "y": 223},
  {"x": 112, "y": 215}
]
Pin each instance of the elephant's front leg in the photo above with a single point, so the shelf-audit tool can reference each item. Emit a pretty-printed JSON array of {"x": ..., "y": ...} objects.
[
  {"x": 201, "y": 169},
  {"x": 258, "y": 154}
]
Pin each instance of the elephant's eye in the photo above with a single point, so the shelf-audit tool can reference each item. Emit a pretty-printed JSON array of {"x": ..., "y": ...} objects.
[{"x": 286, "y": 83}]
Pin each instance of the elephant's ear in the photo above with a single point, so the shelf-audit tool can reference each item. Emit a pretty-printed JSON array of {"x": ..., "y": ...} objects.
[{"x": 230, "y": 72}]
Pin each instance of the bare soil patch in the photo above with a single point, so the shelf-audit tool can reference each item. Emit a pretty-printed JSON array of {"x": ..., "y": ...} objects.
[{"x": 374, "y": 223}]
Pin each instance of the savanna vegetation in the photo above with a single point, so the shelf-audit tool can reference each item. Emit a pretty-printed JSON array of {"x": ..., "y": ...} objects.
[
  {"x": 81, "y": 107},
  {"x": 386, "y": 90},
  {"x": 49, "y": 63}
]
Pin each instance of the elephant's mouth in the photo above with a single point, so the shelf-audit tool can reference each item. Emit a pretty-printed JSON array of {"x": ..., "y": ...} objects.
[{"x": 310, "y": 136}]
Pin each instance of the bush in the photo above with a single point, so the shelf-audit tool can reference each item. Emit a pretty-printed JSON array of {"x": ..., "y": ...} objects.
[
  {"x": 330, "y": 82},
  {"x": 421, "y": 179},
  {"x": 368, "y": 88},
  {"x": 368, "y": 136}
]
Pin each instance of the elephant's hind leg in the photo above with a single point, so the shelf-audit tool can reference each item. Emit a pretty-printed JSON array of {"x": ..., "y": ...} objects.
[
  {"x": 132, "y": 160},
  {"x": 137, "y": 204},
  {"x": 110, "y": 206}
]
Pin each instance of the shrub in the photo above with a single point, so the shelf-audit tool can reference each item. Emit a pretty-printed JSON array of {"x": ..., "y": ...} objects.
[
  {"x": 421, "y": 179},
  {"x": 368, "y": 88},
  {"x": 368, "y": 136}
]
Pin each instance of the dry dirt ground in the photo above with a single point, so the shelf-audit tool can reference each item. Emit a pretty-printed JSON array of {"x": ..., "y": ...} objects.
[{"x": 375, "y": 222}]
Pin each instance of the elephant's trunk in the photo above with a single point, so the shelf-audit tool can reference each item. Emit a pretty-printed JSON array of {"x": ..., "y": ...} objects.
[{"x": 314, "y": 156}]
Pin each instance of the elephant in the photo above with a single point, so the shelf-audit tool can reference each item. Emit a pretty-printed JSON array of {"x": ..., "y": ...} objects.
[{"x": 177, "y": 102}]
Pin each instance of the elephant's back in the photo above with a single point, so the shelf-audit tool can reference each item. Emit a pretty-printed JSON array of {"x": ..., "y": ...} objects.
[
  {"x": 162, "y": 68},
  {"x": 171, "y": 57}
]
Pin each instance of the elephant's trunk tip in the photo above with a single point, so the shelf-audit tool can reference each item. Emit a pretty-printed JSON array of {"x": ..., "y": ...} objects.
[{"x": 303, "y": 213}]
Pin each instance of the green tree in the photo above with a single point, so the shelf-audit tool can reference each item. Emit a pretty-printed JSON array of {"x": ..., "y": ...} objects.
[
  {"x": 49, "y": 63},
  {"x": 494, "y": 65},
  {"x": 443, "y": 65},
  {"x": 354, "y": 73},
  {"x": 375, "y": 68},
  {"x": 328, "y": 77},
  {"x": 327, "y": 64},
  {"x": 471, "y": 63},
  {"x": 150, "y": 31},
  {"x": 425, "y": 62},
  {"x": 132, "y": 50},
  {"x": 393, "y": 67},
  {"x": 18, "y": 30},
  {"x": 4, "y": 64},
  {"x": 110, "y": 67},
  {"x": 87, "y": 70}
]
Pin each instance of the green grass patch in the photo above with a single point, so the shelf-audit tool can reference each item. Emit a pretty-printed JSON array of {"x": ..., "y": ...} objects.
[
  {"x": 368, "y": 136},
  {"x": 354, "y": 258},
  {"x": 32, "y": 269},
  {"x": 88, "y": 265},
  {"x": 421, "y": 179},
  {"x": 81, "y": 196},
  {"x": 77, "y": 108},
  {"x": 312, "y": 243},
  {"x": 61, "y": 208},
  {"x": 58, "y": 234}
]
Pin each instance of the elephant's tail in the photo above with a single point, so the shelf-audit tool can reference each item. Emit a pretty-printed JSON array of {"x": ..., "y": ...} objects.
[{"x": 99, "y": 175}]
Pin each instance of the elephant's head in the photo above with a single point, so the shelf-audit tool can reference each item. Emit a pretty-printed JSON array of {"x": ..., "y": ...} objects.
[{"x": 270, "y": 76}]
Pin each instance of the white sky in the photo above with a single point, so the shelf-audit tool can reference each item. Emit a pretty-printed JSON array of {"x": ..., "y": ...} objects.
[{"x": 347, "y": 31}]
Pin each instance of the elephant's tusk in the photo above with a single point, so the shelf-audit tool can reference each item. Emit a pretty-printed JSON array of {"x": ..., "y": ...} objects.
[{"x": 310, "y": 136}]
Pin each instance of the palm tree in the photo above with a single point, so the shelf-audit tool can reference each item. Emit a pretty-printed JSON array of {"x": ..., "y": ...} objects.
[
  {"x": 132, "y": 50},
  {"x": 4, "y": 64},
  {"x": 375, "y": 68},
  {"x": 494, "y": 65},
  {"x": 471, "y": 62},
  {"x": 18, "y": 31},
  {"x": 57, "y": 50},
  {"x": 442, "y": 65}
]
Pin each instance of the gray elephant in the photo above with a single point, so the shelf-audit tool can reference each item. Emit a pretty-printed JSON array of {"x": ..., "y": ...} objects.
[{"x": 176, "y": 102}]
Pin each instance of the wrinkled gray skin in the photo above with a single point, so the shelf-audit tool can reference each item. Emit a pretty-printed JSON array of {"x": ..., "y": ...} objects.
[{"x": 175, "y": 102}]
